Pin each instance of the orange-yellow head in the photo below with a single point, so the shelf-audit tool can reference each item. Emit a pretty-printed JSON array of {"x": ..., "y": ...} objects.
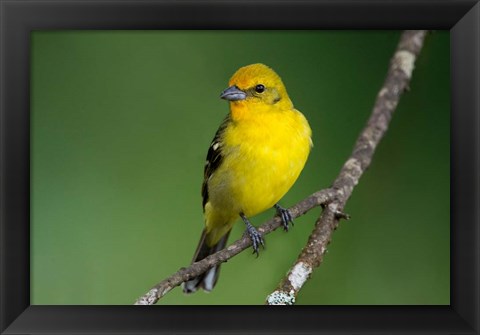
[{"x": 256, "y": 86}]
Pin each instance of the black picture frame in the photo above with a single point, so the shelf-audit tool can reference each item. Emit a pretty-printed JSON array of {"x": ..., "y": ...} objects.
[{"x": 19, "y": 18}]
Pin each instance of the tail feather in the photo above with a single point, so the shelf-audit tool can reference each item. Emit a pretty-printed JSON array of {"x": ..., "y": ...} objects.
[{"x": 208, "y": 279}]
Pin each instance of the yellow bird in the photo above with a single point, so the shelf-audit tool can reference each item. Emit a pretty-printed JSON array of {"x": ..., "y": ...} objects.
[{"x": 255, "y": 157}]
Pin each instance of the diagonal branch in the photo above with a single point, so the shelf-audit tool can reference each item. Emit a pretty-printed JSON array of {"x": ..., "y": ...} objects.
[
  {"x": 333, "y": 199},
  {"x": 396, "y": 82},
  {"x": 184, "y": 274}
]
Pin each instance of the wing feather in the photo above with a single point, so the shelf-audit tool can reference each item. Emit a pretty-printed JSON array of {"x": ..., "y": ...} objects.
[{"x": 214, "y": 158}]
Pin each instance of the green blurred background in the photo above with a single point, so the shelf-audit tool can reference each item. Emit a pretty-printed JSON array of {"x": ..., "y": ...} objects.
[{"x": 121, "y": 123}]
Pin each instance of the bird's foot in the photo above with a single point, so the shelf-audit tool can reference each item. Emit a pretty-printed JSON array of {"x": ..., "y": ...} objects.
[
  {"x": 254, "y": 235},
  {"x": 284, "y": 215}
]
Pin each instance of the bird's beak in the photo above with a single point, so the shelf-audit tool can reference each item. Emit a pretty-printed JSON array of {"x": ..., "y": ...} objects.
[{"x": 233, "y": 93}]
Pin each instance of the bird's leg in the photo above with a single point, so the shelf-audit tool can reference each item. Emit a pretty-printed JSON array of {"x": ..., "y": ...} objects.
[
  {"x": 284, "y": 215},
  {"x": 254, "y": 235}
]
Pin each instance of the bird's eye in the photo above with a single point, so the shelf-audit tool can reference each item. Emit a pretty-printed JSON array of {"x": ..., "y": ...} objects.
[{"x": 259, "y": 88}]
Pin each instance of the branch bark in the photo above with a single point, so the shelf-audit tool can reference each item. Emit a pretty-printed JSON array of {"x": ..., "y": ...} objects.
[
  {"x": 396, "y": 82},
  {"x": 184, "y": 274},
  {"x": 333, "y": 198}
]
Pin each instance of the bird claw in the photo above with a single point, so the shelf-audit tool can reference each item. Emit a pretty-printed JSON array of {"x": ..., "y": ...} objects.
[
  {"x": 285, "y": 216},
  {"x": 256, "y": 238},
  {"x": 254, "y": 235}
]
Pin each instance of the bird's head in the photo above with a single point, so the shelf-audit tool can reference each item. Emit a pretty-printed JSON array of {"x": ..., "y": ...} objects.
[{"x": 257, "y": 86}]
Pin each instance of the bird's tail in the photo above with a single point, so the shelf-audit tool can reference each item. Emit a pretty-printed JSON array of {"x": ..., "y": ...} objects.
[{"x": 208, "y": 279}]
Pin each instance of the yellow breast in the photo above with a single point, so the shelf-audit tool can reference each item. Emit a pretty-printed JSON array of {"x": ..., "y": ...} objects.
[{"x": 263, "y": 157}]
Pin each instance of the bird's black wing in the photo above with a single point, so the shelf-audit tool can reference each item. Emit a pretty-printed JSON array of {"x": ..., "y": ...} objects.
[{"x": 214, "y": 158}]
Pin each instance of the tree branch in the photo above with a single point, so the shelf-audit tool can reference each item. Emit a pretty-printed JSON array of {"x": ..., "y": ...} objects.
[
  {"x": 184, "y": 274},
  {"x": 333, "y": 198},
  {"x": 396, "y": 82}
]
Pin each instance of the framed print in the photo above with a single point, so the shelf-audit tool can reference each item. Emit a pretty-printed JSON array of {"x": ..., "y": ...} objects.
[{"x": 109, "y": 109}]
